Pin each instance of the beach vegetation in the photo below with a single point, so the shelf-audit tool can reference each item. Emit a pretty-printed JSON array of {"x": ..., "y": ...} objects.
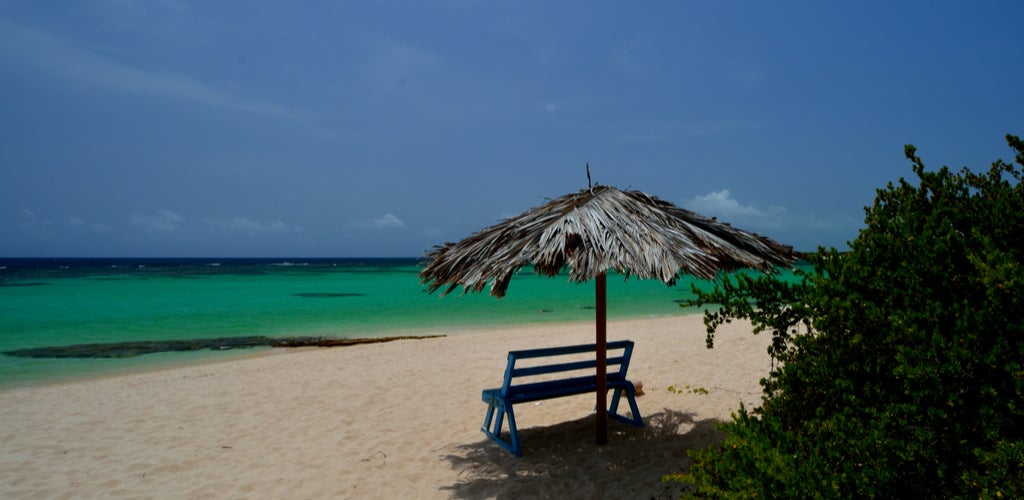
[
  {"x": 899, "y": 364},
  {"x": 693, "y": 390}
]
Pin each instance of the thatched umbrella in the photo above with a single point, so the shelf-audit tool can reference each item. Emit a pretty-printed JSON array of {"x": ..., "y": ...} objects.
[{"x": 590, "y": 232}]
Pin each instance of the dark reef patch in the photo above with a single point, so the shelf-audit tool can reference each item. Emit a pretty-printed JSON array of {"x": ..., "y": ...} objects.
[{"x": 132, "y": 349}]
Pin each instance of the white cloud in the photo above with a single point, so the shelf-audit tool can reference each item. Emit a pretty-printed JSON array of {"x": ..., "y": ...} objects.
[
  {"x": 80, "y": 224},
  {"x": 721, "y": 204},
  {"x": 805, "y": 229},
  {"x": 245, "y": 225},
  {"x": 53, "y": 55},
  {"x": 388, "y": 221},
  {"x": 27, "y": 218},
  {"x": 167, "y": 221},
  {"x": 164, "y": 221}
]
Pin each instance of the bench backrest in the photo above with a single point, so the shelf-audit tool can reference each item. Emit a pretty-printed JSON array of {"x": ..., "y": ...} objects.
[{"x": 532, "y": 369}]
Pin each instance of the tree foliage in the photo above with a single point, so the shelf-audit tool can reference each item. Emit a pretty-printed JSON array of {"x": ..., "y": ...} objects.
[{"x": 900, "y": 362}]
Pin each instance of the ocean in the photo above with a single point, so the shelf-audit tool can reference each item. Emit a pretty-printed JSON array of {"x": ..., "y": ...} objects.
[{"x": 72, "y": 302}]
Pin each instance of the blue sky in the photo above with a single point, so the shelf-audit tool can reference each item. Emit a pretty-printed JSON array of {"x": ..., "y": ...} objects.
[{"x": 379, "y": 128}]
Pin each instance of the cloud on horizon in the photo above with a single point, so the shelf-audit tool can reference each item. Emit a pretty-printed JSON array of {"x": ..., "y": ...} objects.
[
  {"x": 388, "y": 221},
  {"x": 163, "y": 221},
  {"x": 721, "y": 204},
  {"x": 168, "y": 221},
  {"x": 244, "y": 225},
  {"x": 80, "y": 224},
  {"x": 778, "y": 221}
]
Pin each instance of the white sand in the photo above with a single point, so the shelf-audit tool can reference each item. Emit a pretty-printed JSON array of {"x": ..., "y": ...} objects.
[{"x": 393, "y": 420}]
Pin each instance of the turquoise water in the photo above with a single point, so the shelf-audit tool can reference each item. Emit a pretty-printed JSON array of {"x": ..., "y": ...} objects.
[{"x": 62, "y": 302}]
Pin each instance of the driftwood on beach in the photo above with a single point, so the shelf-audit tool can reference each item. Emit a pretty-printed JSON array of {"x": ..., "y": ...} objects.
[{"x": 138, "y": 348}]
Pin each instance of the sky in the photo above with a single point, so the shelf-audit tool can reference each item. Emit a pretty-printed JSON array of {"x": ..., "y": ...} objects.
[{"x": 178, "y": 128}]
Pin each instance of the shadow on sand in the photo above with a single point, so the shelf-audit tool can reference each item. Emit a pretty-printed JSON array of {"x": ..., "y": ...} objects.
[{"x": 563, "y": 461}]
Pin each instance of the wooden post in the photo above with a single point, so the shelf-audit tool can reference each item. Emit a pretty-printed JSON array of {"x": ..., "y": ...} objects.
[{"x": 602, "y": 359}]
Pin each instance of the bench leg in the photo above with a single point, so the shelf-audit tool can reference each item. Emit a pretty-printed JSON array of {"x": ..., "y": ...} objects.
[
  {"x": 489, "y": 417},
  {"x": 503, "y": 411},
  {"x": 613, "y": 409},
  {"x": 513, "y": 432}
]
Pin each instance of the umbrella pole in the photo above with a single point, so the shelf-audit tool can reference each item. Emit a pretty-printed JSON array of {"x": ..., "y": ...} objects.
[{"x": 601, "y": 306}]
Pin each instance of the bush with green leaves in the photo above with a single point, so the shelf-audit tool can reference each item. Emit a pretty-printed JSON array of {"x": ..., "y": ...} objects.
[{"x": 900, "y": 363}]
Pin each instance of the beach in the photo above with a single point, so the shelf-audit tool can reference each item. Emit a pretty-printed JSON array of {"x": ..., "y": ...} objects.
[{"x": 391, "y": 420}]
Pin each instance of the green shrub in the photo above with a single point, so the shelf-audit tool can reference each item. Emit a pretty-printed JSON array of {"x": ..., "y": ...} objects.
[{"x": 901, "y": 361}]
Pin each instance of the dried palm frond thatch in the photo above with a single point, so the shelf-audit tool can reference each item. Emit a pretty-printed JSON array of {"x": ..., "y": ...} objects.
[{"x": 595, "y": 230}]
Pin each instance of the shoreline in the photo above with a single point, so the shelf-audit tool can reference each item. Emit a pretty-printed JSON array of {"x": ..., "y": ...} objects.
[
  {"x": 393, "y": 419},
  {"x": 209, "y": 356}
]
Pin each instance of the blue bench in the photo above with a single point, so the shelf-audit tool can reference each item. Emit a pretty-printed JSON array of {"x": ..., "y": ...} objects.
[{"x": 514, "y": 390}]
